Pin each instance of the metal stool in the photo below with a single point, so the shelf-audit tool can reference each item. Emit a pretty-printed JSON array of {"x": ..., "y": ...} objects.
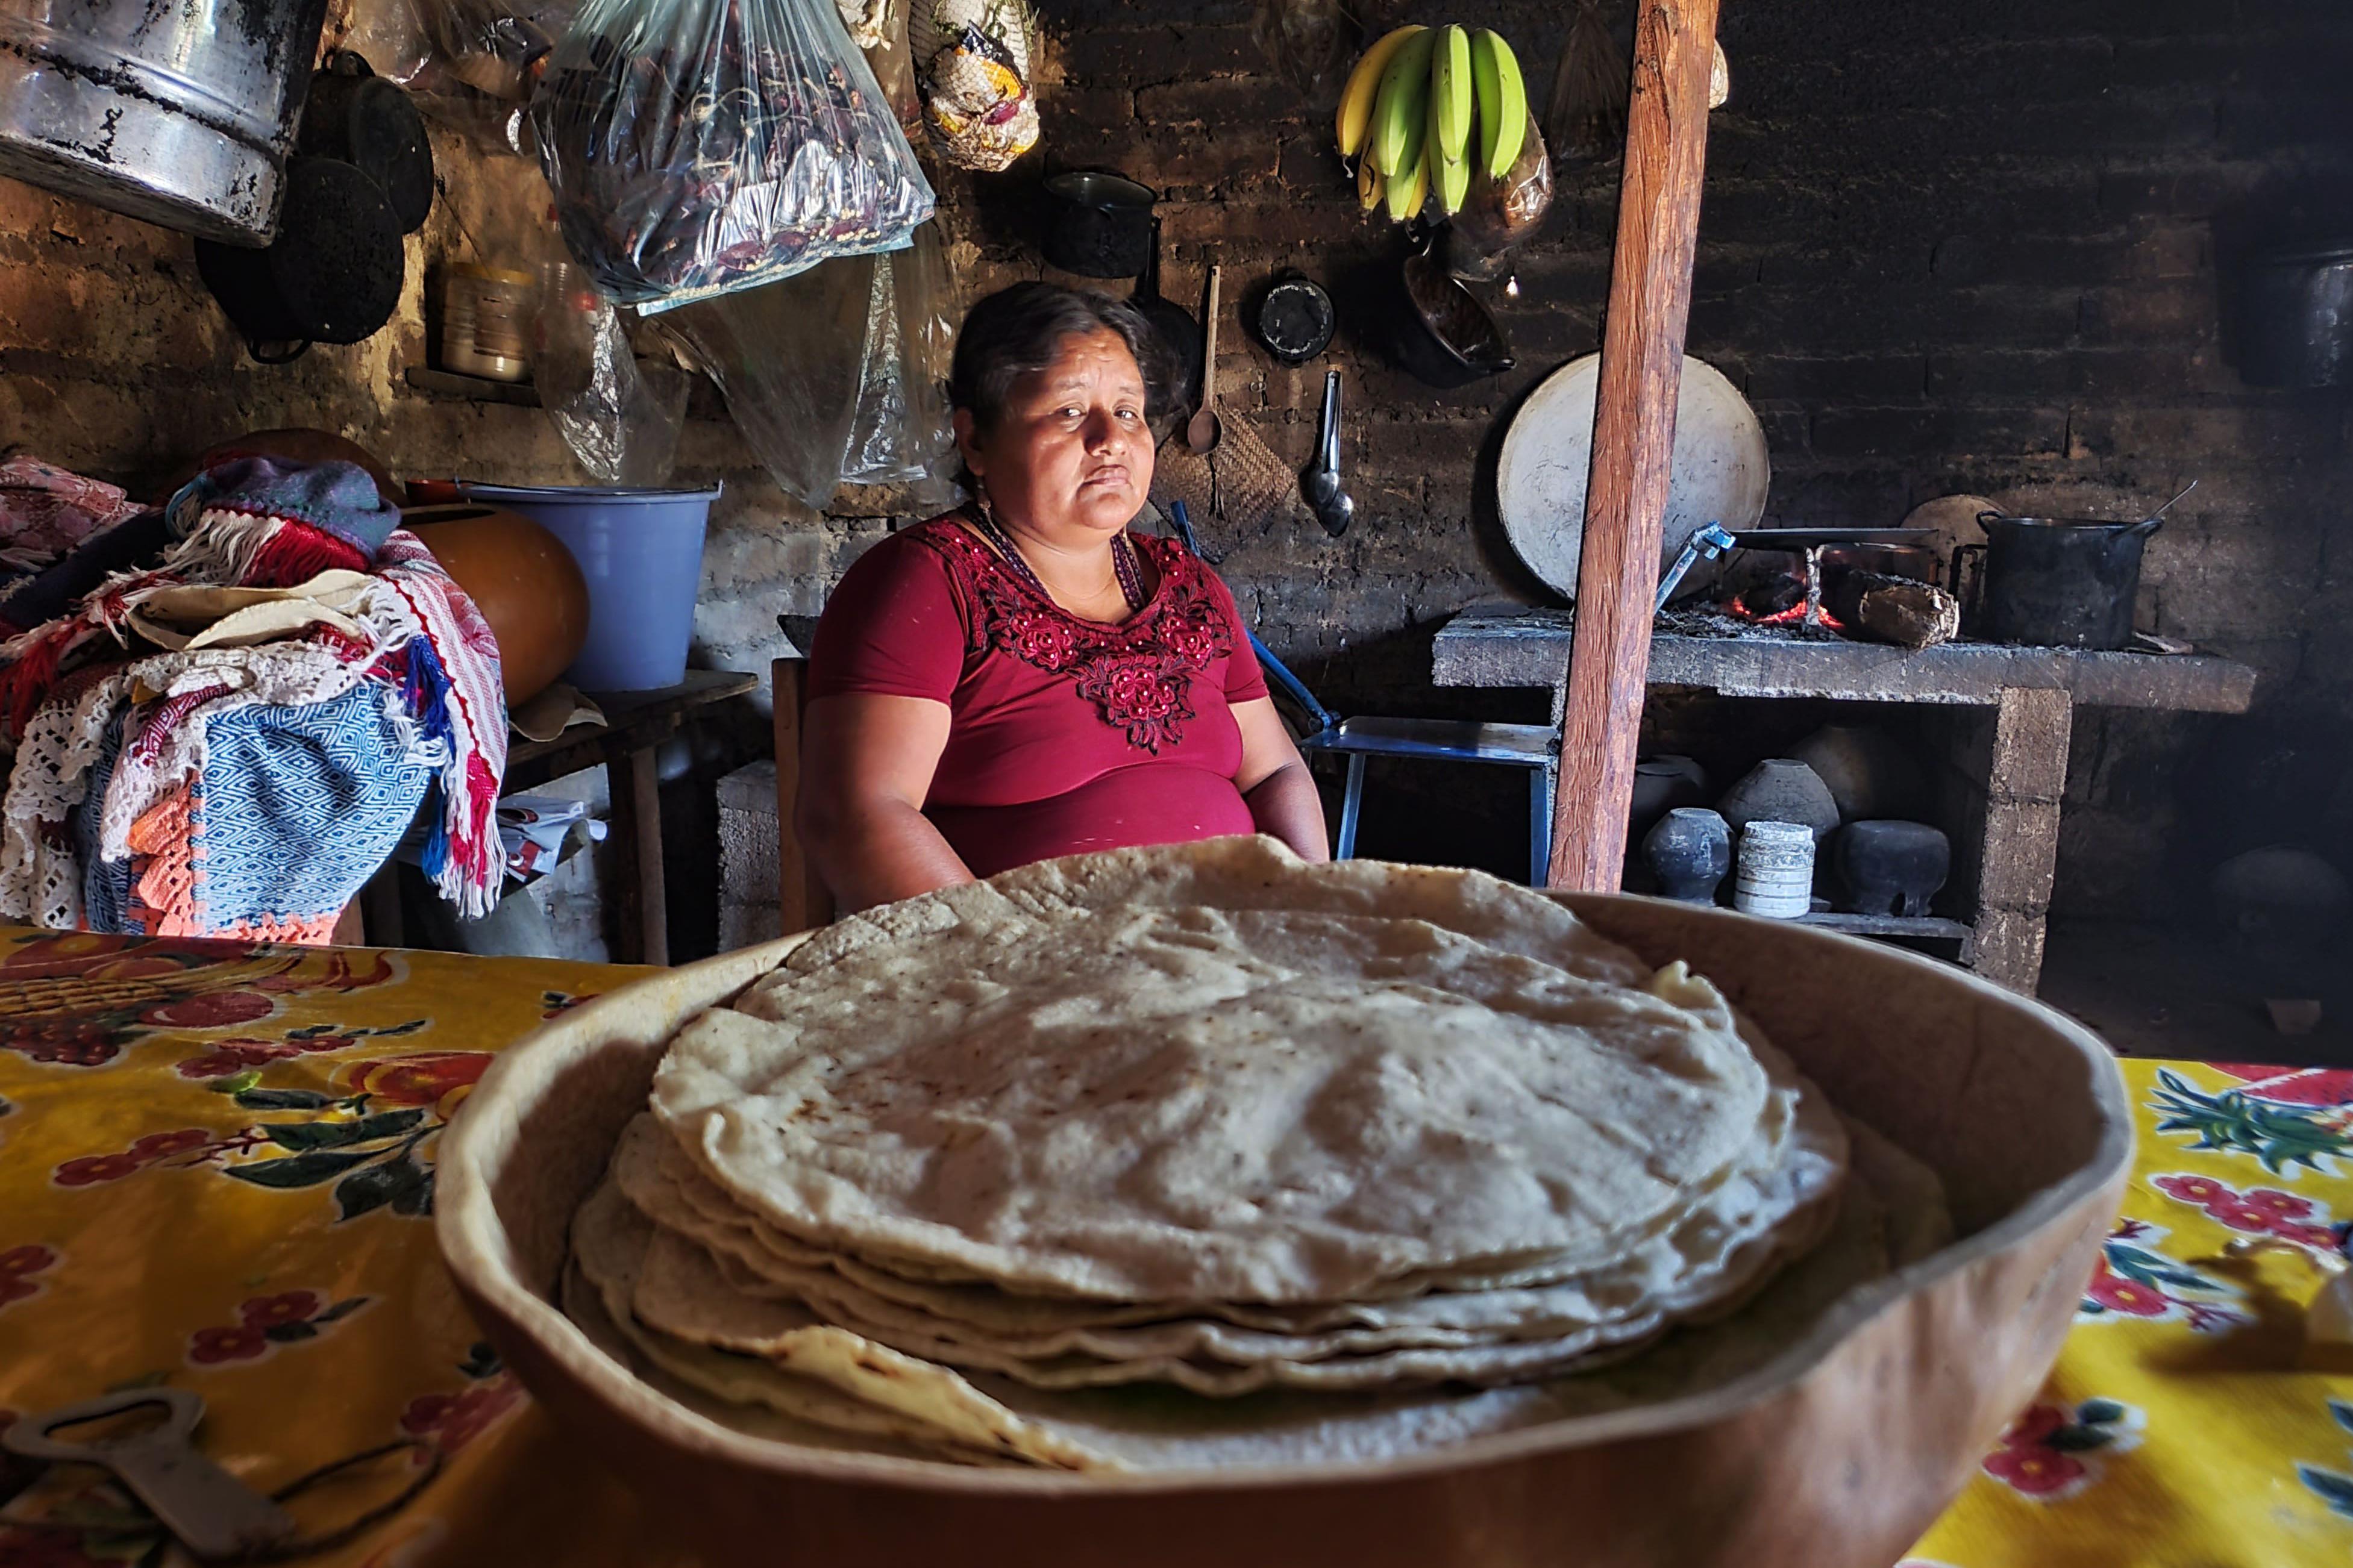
[{"x": 1535, "y": 747}]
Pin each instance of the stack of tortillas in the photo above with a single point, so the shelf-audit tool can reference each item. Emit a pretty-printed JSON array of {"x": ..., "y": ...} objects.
[{"x": 1196, "y": 1155}]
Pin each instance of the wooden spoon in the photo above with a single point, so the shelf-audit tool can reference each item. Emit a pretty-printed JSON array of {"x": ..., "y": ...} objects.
[{"x": 1202, "y": 431}]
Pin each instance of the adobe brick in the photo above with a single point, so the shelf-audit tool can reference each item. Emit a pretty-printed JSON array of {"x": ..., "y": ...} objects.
[
  {"x": 2198, "y": 190},
  {"x": 2246, "y": 434},
  {"x": 2181, "y": 310},
  {"x": 2000, "y": 373},
  {"x": 1947, "y": 432},
  {"x": 2261, "y": 120},
  {"x": 1787, "y": 426},
  {"x": 1224, "y": 105},
  {"x": 1873, "y": 497},
  {"x": 2114, "y": 375},
  {"x": 1867, "y": 377},
  {"x": 1088, "y": 110},
  {"x": 1146, "y": 56}
]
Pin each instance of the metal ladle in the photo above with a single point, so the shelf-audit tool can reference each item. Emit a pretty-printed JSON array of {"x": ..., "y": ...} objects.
[{"x": 1321, "y": 481}]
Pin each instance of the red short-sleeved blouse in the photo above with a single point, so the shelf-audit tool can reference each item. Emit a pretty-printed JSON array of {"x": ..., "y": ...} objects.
[{"x": 1064, "y": 735}]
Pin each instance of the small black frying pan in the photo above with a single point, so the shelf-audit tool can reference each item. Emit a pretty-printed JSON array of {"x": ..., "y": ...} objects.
[
  {"x": 333, "y": 275},
  {"x": 1180, "y": 335},
  {"x": 358, "y": 117}
]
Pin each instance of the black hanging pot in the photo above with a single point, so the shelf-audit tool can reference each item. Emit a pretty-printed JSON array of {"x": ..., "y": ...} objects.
[
  {"x": 1097, "y": 224},
  {"x": 2059, "y": 582},
  {"x": 360, "y": 119},
  {"x": 1443, "y": 336},
  {"x": 2296, "y": 324},
  {"x": 333, "y": 275}
]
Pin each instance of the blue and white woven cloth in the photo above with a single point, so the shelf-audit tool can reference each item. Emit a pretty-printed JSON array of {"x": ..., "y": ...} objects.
[{"x": 247, "y": 788}]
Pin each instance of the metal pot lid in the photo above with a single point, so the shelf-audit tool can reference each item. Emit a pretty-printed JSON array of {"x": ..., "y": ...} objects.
[
  {"x": 1807, "y": 538},
  {"x": 2101, "y": 522},
  {"x": 1720, "y": 472},
  {"x": 1105, "y": 189},
  {"x": 1295, "y": 320}
]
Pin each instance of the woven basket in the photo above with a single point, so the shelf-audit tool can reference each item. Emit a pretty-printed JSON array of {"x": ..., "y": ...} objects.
[
  {"x": 1179, "y": 473},
  {"x": 1253, "y": 484}
]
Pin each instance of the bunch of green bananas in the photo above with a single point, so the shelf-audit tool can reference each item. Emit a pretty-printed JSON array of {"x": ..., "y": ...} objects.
[{"x": 1410, "y": 106}]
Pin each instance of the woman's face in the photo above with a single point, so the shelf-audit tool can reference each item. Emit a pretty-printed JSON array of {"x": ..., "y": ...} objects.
[{"x": 1071, "y": 459}]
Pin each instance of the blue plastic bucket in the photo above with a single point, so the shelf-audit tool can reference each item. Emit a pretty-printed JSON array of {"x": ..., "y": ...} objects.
[{"x": 641, "y": 551}]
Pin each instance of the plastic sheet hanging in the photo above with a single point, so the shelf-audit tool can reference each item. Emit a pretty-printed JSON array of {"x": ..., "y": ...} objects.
[
  {"x": 838, "y": 375},
  {"x": 620, "y": 417},
  {"x": 790, "y": 360},
  {"x": 1311, "y": 43},
  {"x": 469, "y": 65},
  {"x": 698, "y": 147},
  {"x": 901, "y": 433}
]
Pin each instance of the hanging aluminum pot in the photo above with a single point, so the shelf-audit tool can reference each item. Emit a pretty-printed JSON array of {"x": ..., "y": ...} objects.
[{"x": 180, "y": 115}]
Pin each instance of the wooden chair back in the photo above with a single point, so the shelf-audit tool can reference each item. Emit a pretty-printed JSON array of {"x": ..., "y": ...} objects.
[{"x": 802, "y": 898}]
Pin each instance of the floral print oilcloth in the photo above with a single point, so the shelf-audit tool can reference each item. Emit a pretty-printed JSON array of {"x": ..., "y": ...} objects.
[
  {"x": 216, "y": 1175},
  {"x": 2186, "y": 1424}
]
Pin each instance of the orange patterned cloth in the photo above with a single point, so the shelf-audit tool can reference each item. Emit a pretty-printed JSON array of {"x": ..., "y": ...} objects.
[{"x": 217, "y": 1174}]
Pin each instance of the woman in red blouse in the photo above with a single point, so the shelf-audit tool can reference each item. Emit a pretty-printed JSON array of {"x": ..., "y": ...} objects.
[{"x": 1023, "y": 677}]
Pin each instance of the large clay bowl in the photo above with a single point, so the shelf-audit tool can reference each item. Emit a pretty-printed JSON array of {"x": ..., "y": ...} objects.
[{"x": 1841, "y": 1452}]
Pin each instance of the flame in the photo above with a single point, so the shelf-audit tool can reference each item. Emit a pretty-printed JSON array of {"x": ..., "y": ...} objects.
[{"x": 1793, "y": 616}]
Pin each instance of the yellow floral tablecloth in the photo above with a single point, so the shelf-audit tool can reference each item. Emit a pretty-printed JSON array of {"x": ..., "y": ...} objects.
[{"x": 217, "y": 1174}]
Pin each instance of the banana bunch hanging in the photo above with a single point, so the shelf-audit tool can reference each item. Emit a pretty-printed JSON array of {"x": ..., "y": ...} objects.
[{"x": 1423, "y": 109}]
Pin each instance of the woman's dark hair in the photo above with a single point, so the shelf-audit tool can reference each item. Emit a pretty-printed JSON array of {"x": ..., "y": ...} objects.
[{"x": 1017, "y": 331}]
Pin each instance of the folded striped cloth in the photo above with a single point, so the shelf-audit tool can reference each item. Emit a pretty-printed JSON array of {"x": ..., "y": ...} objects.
[{"x": 252, "y": 789}]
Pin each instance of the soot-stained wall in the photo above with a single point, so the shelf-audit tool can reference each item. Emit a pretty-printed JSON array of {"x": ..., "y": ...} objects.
[{"x": 1942, "y": 248}]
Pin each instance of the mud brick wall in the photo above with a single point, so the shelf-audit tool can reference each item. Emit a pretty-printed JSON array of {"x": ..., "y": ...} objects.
[{"x": 1942, "y": 248}]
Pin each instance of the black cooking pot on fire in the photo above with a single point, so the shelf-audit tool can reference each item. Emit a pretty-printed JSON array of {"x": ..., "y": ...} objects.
[{"x": 2059, "y": 582}]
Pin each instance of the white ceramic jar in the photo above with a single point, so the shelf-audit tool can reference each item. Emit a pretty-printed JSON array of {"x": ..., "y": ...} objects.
[{"x": 1777, "y": 870}]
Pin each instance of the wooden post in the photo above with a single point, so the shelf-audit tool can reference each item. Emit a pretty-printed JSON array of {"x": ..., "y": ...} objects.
[{"x": 1633, "y": 440}]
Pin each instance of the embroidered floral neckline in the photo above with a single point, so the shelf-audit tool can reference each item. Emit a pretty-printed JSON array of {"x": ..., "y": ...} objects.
[{"x": 1138, "y": 674}]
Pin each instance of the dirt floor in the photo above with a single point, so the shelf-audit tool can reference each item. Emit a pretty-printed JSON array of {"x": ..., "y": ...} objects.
[{"x": 2159, "y": 991}]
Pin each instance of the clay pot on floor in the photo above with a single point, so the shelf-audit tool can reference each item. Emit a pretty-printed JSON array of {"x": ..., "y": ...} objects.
[
  {"x": 1890, "y": 867},
  {"x": 1688, "y": 852},
  {"x": 2280, "y": 896},
  {"x": 527, "y": 585},
  {"x": 1660, "y": 784},
  {"x": 1869, "y": 772},
  {"x": 1781, "y": 789}
]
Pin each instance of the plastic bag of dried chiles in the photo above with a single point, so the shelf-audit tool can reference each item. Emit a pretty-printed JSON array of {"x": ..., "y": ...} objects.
[{"x": 696, "y": 147}]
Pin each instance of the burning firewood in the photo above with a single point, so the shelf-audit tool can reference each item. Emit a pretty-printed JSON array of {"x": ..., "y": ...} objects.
[{"x": 1895, "y": 609}]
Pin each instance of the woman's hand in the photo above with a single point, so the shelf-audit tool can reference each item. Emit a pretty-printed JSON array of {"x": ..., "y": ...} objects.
[
  {"x": 866, "y": 766},
  {"x": 1276, "y": 782}
]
